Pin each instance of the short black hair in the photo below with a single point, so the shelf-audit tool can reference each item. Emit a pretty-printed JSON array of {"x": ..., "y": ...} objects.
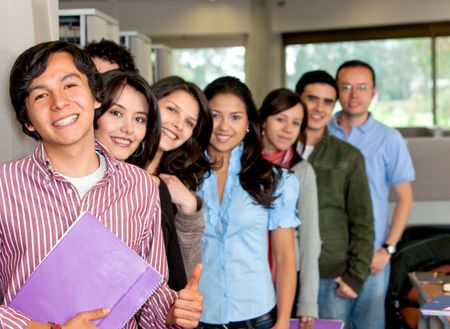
[
  {"x": 33, "y": 62},
  {"x": 357, "y": 63},
  {"x": 112, "y": 52},
  {"x": 318, "y": 76}
]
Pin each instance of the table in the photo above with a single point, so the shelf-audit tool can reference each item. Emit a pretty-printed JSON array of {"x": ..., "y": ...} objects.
[{"x": 427, "y": 291}]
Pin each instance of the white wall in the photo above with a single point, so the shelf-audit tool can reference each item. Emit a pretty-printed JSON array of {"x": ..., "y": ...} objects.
[
  {"x": 23, "y": 24},
  {"x": 307, "y": 15},
  {"x": 201, "y": 17},
  {"x": 175, "y": 17}
]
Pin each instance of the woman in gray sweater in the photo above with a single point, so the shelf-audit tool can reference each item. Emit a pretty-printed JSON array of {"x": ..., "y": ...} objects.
[{"x": 283, "y": 120}]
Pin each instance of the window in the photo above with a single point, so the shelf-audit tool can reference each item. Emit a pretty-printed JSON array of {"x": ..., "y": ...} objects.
[
  {"x": 203, "y": 65},
  {"x": 402, "y": 68},
  {"x": 411, "y": 64},
  {"x": 443, "y": 81}
]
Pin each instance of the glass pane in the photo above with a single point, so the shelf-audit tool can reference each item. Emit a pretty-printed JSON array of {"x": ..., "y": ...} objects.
[
  {"x": 402, "y": 68},
  {"x": 203, "y": 65},
  {"x": 443, "y": 81}
]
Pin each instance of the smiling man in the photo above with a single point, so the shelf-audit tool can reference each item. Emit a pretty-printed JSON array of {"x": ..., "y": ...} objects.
[
  {"x": 54, "y": 89},
  {"x": 345, "y": 208},
  {"x": 388, "y": 165}
]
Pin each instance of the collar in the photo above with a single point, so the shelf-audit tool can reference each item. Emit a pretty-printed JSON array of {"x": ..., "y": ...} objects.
[
  {"x": 325, "y": 136},
  {"x": 44, "y": 164},
  {"x": 235, "y": 158},
  {"x": 369, "y": 124}
]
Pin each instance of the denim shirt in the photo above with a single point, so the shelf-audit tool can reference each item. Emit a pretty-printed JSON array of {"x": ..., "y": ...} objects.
[{"x": 236, "y": 280}]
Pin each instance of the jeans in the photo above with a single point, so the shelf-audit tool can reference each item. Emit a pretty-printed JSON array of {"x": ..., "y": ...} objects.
[
  {"x": 369, "y": 310},
  {"x": 331, "y": 306},
  {"x": 365, "y": 312}
]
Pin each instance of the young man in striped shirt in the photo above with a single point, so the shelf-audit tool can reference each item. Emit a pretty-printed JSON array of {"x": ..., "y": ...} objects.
[{"x": 54, "y": 89}]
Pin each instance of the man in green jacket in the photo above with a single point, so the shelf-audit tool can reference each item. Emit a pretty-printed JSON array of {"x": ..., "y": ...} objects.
[{"x": 345, "y": 207}]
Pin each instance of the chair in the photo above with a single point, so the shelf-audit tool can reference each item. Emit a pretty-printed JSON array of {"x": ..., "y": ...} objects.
[{"x": 422, "y": 248}]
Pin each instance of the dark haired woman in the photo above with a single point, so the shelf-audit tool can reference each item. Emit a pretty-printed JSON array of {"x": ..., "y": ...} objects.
[
  {"x": 129, "y": 125},
  {"x": 245, "y": 197},
  {"x": 175, "y": 158},
  {"x": 283, "y": 119}
]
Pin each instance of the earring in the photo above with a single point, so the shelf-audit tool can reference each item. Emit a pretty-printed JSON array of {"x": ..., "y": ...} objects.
[
  {"x": 248, "y": 130},
  {"x": 139, "y": 150},
  {"x": 263, "y": 132}
]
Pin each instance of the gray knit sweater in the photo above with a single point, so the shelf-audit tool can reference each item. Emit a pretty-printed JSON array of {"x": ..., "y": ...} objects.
[{"x": 309, "y": 239}]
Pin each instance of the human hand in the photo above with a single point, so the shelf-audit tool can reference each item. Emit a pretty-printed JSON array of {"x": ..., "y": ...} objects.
[
  {"x": 344, "y": 290},
  {"x": 180, "y": 194},
  {"x": 379, "y": 261},
  {"x": 84, "y": 320},
  {"x": 307, "y": 322},
  {"x": 187, "y": 308}
]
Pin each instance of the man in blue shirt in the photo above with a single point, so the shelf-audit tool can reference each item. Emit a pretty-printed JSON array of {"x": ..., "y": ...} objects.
[{"x": 388, "y": 164}]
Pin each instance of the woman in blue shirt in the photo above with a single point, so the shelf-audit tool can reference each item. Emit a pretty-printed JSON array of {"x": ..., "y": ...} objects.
[{"x": 245, "y": 197}]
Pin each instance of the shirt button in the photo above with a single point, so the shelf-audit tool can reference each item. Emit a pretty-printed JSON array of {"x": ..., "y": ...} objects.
[{"x": 69, "y": 191}]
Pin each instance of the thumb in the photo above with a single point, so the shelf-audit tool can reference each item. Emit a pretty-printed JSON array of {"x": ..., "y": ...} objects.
[
  {"x": 195, "y": 277},
  {"x": 97, "y": 314},
  {"x": 338, "y": 280}
]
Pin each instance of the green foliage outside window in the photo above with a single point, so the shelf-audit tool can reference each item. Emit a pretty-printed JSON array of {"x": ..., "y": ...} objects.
[
  {"x": 402, "y": 68},
  {"x": 203, "y": 65}
]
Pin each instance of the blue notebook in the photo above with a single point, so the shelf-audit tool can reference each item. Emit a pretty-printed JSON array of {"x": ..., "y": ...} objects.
[
  {"x": 88, "y": 268},
  {"x": 439, "y": 306}
]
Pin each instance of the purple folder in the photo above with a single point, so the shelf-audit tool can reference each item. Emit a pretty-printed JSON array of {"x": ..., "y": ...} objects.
[
  {"x": 88, "y": 268},
  {"x": 319, "y": 324}
]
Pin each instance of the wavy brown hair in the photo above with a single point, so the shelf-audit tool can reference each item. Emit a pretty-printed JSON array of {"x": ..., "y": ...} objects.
[{"x": 189, "y": 161}]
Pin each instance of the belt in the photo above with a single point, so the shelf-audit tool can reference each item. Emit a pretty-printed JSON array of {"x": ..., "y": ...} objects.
[{"x": 244, "y": 324}]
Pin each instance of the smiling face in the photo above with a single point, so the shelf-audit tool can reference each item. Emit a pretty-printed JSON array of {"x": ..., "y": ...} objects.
[
  {"x": 281, "y": 130},
  {"x": 60, "y": 104},
  {"x": 179, "y": 115},
  {"x": 356, "y": 90},
  {"x": 123, "y": 126},
  {"x": 319, "y": 99},
  {"x": 230, "y": 123}
]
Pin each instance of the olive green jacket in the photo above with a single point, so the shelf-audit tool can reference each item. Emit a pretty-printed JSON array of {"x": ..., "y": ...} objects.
[{"x": 345, "y": 211}]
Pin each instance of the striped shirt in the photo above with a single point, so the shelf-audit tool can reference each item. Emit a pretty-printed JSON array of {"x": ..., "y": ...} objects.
[{"x": 37, "y": 205}]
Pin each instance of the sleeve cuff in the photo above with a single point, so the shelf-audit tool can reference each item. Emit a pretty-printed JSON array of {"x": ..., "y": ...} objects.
[{"x": 354, "y": 282}]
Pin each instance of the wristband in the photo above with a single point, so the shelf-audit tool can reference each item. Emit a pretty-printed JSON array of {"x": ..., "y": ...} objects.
[{"x": 55, "y": 325}]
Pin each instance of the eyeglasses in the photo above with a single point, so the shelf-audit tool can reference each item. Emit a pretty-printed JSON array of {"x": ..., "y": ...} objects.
[{"x": 362, "y": 87}]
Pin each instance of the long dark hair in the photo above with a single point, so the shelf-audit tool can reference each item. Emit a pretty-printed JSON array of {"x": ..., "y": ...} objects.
[
  {"x": 280, "y": 100},
  {"x": 189, "y": 161},
  {"x": 113, "y": 84},
  {"x": 258, "y": 177}
]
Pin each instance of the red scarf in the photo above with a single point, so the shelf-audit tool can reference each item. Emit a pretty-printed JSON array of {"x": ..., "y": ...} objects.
[{"x": 281, "y": 158}]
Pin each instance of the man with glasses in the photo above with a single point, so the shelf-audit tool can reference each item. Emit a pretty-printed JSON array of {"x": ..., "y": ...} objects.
[
  {"x": 388, "y": 164},
  {"x": 345, "y": 208}
]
